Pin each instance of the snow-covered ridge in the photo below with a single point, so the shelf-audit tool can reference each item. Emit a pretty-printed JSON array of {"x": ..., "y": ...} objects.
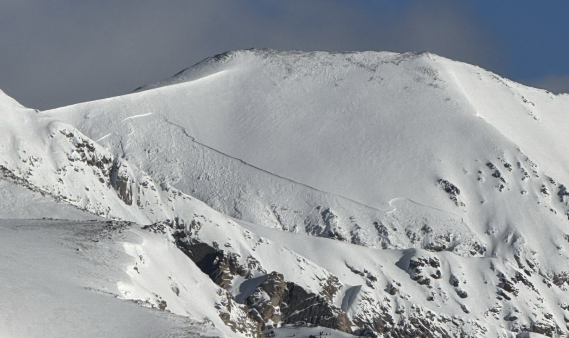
[
  {"x": 291, "y": 60},
  {"x": 443, "y": 185},
  {"x": 361, "y": 129}
]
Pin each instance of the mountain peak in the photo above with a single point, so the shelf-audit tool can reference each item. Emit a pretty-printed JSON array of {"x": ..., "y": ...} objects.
[
  {"x": 360, "y": 191},
  {"x": 8, "y": 103},
  {"x": 288, "y": 59}
]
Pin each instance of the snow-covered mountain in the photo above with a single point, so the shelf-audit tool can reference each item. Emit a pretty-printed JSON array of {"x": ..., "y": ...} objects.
[{"x": 396, "y": 195}]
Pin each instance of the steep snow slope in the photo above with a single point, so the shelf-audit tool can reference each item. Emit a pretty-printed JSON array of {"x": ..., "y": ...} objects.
[
  {"x": 318, "y": 118},
  {"x": 381, "y": 149},
  {"x": 58, "y": 282},
  {"x": 52, "y": 159},
  {"x": 441, "y": 162}
]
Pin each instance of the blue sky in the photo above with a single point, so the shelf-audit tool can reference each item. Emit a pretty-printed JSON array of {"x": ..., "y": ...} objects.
[
  {"x": 59, "y": 52},
  {"x": 536, "y": 34}
]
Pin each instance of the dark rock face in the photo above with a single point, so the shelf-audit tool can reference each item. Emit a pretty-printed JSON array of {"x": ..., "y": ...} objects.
[
  {"x": 87, "y": 153},
  {"x": 461, "y": 293},
  {"x": 563, "y": 194},
  {"x": 561, "y": 278},
  {"x": 277, "y": 300},
  {"x": 376, "y": 316},
  {"x": 508, "y": 286},
  {"x": 122, "y": 182},
  {"x": 270, "y": 299},
  {"x": 219, "y": 265},
  {"x": 327, "y": 225},
  {"x": 111, "y": 172},
  {"x": 544, "y": 328},
  {"x": 418, "y": 264},
  {"x": 452, "y": 191},
  {"x": 239, "y": 321}
]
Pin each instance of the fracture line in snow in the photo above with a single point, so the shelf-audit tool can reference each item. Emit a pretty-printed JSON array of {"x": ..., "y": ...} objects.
[
  {"x": 135, "y": 116},
  {"x": 263, "y": 170},
  {"x": 419, "y": 204}
]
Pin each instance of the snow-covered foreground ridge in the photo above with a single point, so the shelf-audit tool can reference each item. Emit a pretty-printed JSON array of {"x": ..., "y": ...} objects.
[{"x": 399, "y": 195}]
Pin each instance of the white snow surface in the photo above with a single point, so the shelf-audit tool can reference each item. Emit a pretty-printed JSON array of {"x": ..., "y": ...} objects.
[
  {"x": 319, "y": 118},
  {"x": 268, "y": 137},
  {"x": 59, "y": 279},
  {"x": 355, "y": 166}
]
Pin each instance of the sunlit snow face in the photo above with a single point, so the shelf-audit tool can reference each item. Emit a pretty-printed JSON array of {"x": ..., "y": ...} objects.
[
  {"x": 341, "y": 189},
  {"x": 140, "y": 42}
]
